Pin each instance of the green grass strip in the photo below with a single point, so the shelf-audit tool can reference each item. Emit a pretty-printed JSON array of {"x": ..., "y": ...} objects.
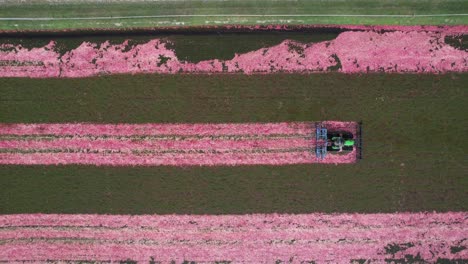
[{"x": 16, "y": 15}]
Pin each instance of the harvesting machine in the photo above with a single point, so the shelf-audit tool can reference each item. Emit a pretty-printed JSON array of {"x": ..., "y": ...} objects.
[{"x": 337, "y": 142}]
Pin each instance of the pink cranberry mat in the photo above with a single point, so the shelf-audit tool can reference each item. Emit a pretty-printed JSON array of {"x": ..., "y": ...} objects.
[
  {"x": 258, "y": 238},
  {"x": 411, "y": 50}
]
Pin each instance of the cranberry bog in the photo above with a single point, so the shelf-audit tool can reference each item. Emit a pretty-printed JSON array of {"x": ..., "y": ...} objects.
[
  {"x": 404, "y": 173},
  {"x": 71, "y": 101}
]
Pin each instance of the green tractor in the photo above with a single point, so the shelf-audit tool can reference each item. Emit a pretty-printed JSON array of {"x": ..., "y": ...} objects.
[
  {"x": 336, "y": 142},
  {"x": 340, "y": 141}
]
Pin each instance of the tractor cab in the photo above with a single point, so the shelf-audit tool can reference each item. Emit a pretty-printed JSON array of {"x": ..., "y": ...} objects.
[{"x": 340, "y": 141}]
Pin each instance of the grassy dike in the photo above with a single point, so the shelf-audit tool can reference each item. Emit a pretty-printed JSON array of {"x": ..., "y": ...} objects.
[
  {"x": 412, "y": 157},
  {"x": 128, "y": 14}
]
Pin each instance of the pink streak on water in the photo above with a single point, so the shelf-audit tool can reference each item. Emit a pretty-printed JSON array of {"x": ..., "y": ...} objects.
[
  {"x": 157, "y": 129},
  {"x": 129, "y": 145},
  {"x": 173, "y": 159},
  {"x": 162, "y": 159}
]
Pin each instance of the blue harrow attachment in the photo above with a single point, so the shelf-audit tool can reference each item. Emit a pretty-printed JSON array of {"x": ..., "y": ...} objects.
[{"x": 320, "y": 141}]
